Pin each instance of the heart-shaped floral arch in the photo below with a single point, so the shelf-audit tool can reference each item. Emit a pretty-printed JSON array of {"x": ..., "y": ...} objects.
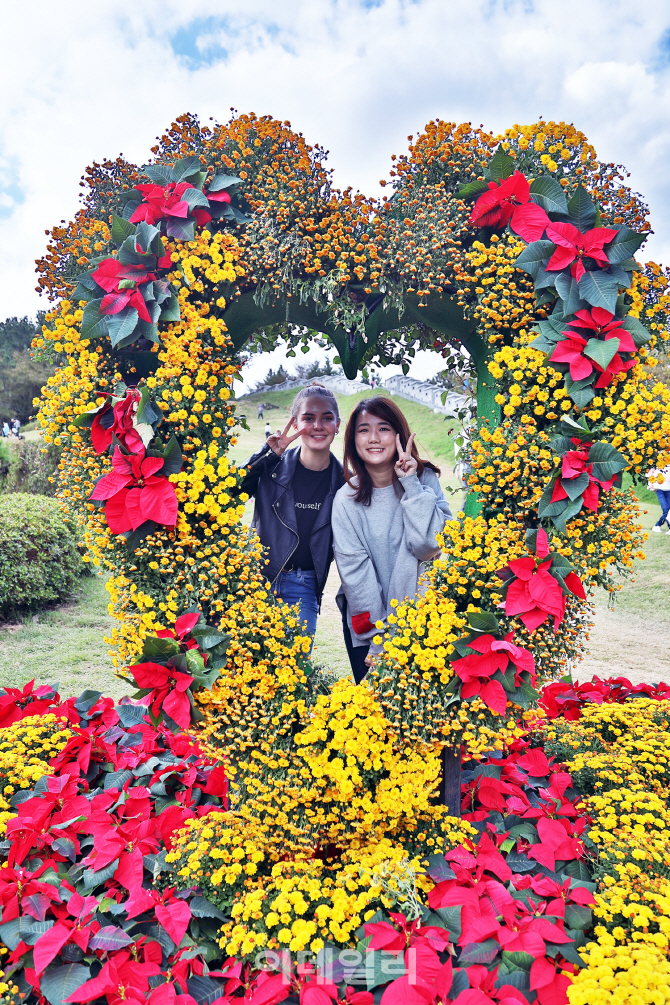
[{"x": 521, "y": 248}]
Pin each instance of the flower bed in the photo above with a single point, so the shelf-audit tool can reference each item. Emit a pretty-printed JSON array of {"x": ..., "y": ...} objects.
[{"x": 126, "y": 877}]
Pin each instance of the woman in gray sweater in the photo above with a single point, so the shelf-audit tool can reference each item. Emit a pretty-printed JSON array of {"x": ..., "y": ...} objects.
[{"x": 385, "y": 521}]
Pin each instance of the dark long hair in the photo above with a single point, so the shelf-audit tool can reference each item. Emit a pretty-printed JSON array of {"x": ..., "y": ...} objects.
[{"x": 387, "y": 410}]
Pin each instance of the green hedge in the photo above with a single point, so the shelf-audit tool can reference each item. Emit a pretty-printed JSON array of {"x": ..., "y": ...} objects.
[
  {"x": 39, "y": 559},
  {"x": 27, "y": 466}
]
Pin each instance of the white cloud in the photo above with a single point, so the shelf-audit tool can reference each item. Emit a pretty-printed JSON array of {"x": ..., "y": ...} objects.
[{"x": 90, "y": 80}]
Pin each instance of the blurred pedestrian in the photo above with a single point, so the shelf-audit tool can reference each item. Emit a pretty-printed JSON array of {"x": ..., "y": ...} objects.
[
  {"x": 268, "y": 429},
  {"x": 5, "y": 429},
  {"x": 659, "y": 482},
  {"x": 260, "y": 409}
]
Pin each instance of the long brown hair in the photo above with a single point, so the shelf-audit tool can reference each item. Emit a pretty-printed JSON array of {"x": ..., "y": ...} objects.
[{"x": 387, "y": 410}]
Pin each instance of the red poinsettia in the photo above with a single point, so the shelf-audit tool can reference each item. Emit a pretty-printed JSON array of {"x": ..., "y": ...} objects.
[
  {"x": 509, "y": 202},
  {"x": 575, "y": 464},
  {"x": 122, "y": 426},
  {"x": 604, "y": 327},
  {"x": 166, "y": 200},
  {"x": 573, "y": 246},
  {"x": 182, "y": 626},
  {"x": 491, "y": 655},
  {"x": 135, "y": 492},
  {"x": 535, "y": 594},
  {"x": 110, "y": 274},
  {"x": 168, "y": 687}
]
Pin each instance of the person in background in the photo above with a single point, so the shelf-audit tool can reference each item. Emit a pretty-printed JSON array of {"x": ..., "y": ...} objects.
[
  {"x": 659, "y": 482},
  {"x": 16, "y": 426},
  {"x": 260, "y": 409},
  {"x": 385, "y": 522},
  {"x": 5, "y": 429},
  {"x": 294, "y": 492},
  {"x": 268, "y": 429}
]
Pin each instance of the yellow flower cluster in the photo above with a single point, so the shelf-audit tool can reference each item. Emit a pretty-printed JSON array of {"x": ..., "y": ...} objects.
[
  {"x": 616, "y": 974},
  {"x": 26, "y": 747},
  {"x": 505, "y": 296}
]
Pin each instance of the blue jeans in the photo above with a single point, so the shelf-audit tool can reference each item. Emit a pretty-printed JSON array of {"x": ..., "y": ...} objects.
[
  {"x": 299, "y": 587},
  {"x": 663, "y": 497}
]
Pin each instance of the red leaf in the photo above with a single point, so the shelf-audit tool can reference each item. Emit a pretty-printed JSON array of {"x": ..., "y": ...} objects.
[
  {"x": 529, "y": 221},
  {"x": 401, "y": 992},
  {"x": 385, "y": 936},
  {"x": 275, "y": 989},
  {"x": 535, "y": 762},
  {"x": 575, "y": 585},
  {"x": 556, "y": 993},
  {"x": 185, "y": 623},
  {"x": 158, "y": 501},
  {"x": 49, "y": 945},
  {"x": 178, "y": 707},
  {"x": 542, "y": 972},
  {"x": 494, "y": 696},
  {"x": 310, "y": 994},
  {"x": 174, "y": 918}
]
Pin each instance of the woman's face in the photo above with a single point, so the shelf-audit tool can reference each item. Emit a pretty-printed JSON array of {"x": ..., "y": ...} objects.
[
  {"x": 317, "y": 423},
  {"x": 375, "y": 441}
]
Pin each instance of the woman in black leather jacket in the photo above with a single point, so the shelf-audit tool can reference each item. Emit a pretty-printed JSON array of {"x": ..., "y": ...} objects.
[{"x": 294, "y": 492}]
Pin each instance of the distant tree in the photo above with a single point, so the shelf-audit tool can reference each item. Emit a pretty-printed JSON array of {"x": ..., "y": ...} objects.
[
  {"x": 21, "y": 377},
  {"x": 277, "y": 376}
]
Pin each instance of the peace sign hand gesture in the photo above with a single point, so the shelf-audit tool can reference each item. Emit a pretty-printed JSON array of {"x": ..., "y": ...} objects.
[
  {"x": 278, "y": 442},
  {"x": 406, "y": 464}
]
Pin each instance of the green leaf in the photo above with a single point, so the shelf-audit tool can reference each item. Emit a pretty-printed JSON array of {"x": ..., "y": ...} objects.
[
  {"x": 525, "y": 830},
  {"x": 93, "y": 323},
  {"x": 577, "y": 916},
  {"x": 170, "y": 309},
  {"x": 542, "y": 344},
  {"x": 182, "y": 230},
  {"x": 131, "y": 715},
  {"x": 606, "y": 460},
  {"x": 517, "y": 961},
  {"x": 546, "y": 507},
  {"x": 483, "y": 621},
  {"x": 571, "y": 428},
  {"x": 130, "y": 208},
  {"x": 208, "y": 637},
  {"x": 93, "y": 878},
  {"x": 195, "y": 197},
  {"x": 479, "y": 952},
  {"x": 451, "y": 919},
  {"x": 547, "y": 193},
  {"x": 575, "y": 487},
  {"x": 581, "y": 391},
  {"x": 159, "y": 649},
  {"x": 572, "y": 509},
  {"x": 146, "y": 413},
  {"x": 623, "y": 278},
  {"x": 86, "y": 418},
  {"x": 185, "y": 169},
  {"x": 624, "y": 245},
  {"x": 223, "y": 181},
  {"x": 599, "y": 290},
  {"x": 640, "y": 334},
  {"x": 531, "y": 258},
  {"x": 9, "y": 934},
  {"x": 58, "y": 983},
  {"x": 581, "y": 210},
  {"x": 121, "y": 229},
  {"x": 203, "y": 908},
  {"x": 525, "y": 695},
  {"x": 173, "y": 457},
  {"x": 560, "y": 564},
  {"x": 569, "y": 292},
  {"x": 601, "y": 351},
  {"x": 160, "y": 174},
  {"x": 501, "y": 166},
  {"x": 122, "y": 325}
]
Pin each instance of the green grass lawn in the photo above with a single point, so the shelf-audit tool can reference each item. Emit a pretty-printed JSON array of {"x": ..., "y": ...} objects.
[{"x": 63, "y": 645}]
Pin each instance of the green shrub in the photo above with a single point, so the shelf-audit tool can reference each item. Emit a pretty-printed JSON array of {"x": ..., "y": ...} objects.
[
  {"x": 39, "y": 559},
  {"x": 27, "y": 466}
]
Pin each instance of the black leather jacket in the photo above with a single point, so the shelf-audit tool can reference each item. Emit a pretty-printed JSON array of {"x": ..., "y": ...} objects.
[{"x": 270, "y": 480}]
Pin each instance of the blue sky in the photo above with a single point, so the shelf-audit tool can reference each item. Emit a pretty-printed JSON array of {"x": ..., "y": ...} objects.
[{"x": 91, "y": 80}]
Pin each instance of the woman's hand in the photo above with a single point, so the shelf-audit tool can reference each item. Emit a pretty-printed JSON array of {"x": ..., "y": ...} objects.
[
  {"x": 368, "y": 661},
  {"x": 278, "y": 442},
  {"x": 406, "y": 464}
]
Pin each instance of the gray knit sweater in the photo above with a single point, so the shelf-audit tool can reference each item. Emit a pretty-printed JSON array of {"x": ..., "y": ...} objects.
[{"x": 380, "y": 548}]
